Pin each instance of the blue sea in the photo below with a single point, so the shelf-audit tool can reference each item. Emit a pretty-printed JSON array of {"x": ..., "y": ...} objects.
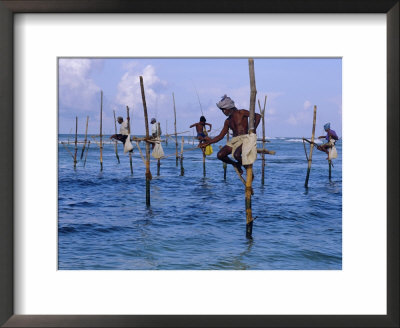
[{"x": 196, "y": 222}]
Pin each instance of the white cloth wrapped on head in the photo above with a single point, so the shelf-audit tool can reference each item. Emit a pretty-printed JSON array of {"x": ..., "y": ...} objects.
[
  {"x": 249, "y": 147},
  {"x": 158, "y": 151},
  {"x": 226, "y": 103}
]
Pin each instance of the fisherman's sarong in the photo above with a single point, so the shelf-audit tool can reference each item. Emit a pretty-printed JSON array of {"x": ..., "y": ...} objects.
[
  {"x": 249, "y": 147},
  {"x": 121, "y": 137}
]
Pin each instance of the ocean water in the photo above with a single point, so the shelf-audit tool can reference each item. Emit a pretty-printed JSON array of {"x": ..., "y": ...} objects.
[{"x": 196, "y": 222}]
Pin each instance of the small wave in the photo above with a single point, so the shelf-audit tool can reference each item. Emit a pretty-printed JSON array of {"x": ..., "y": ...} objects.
[
  {"x": 82, "y": 204},
  {"x": 318, "y": 256},
  {"x": 91, "y": 227},
  {"x": 317, "y": 141}
]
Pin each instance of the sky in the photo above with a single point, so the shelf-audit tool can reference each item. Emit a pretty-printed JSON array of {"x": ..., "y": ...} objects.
[{"x": 292, "y": 86}]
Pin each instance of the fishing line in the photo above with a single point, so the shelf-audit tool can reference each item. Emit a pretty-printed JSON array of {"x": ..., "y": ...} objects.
[{"x": 201, "y": 108}]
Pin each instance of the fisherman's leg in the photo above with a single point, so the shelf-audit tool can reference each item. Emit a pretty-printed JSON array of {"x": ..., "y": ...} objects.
[
  {"x": 238, "y": 156},
  {"x": 223, "y": 155}
]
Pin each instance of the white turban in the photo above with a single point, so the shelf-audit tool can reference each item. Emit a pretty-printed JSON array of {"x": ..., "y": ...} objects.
[{"x": 226, "y": 103}]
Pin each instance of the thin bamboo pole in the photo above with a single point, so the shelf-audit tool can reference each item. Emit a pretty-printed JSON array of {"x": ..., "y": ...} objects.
[
  {"x": 87, "y": 150},
  {"x": 166, "y": 132},
  {"x": 101, "y": 132},
  {"x": 311, "y": 147},
  {"x": 176, "y": 136},
  {"x": 204, "y": 162},
  {"x": 226, "y": 165},
  {"x": 158, "y": 136},
  {"x": 76, "y": 141},
  {"x": 129, "y": 132},
  {"x": 330, "y": 169},
  {"x": 84, "y": 143},
  {"x": 262, "y": 111},
  {"x": 116, "y": 142},
  {"x": 181, "y": 157},
  {"x": 249, "y": 168},
  {"x": 146, "y": 122},
  {"x": 72, "y": 155}
]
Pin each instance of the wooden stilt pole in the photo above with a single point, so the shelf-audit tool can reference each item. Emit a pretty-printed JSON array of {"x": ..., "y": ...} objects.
[
  {"x": 226, "y": 165},
  {"x": 330, "y": 169},
  {"x": 101, "y": 132},
  {"x": 84, "y": 143},
  {"x": 166, "y": 133},
  {"x": 249, "y": 168},
  {"x": 87, "y": 150},
  {"x": 158, "y": 160},
  {"x": 262, "y": 111},
  {"x": 146, "y": 122},
  {"x": 76, "y": 141},
  {"x": 176, "y": 136},
  {"x": 181, "y": 157},
  {"x": 116, "y": 142},
  {"x": 311, "y": 147},
  {"x": 129, "y": 131},
  {"x": 204, "y": 162}
]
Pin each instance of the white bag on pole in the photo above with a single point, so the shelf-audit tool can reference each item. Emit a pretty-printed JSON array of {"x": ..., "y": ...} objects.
[{"x": 128, "y": 146}]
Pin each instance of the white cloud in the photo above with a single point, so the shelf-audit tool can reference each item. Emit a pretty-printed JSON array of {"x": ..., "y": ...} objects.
[
  {"x": 292, "y": 120},
  {"x": 129, "y": 91},
  {"x": 77, "y": 89},
  {"x": 307, "y": 104},
  {"x": 301, "y": 116}
]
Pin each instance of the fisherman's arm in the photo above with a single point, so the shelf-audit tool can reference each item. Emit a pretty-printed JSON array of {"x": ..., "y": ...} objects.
[
  {"x": 210, "y": 126},
  {"x": 219, "y": 137},
  {"x": 257, "y": 120},
  {"x": 194, "y": 124}
]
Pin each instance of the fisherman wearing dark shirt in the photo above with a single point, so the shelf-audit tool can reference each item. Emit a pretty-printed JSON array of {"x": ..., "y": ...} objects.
[{"x": 331, "y": 137}]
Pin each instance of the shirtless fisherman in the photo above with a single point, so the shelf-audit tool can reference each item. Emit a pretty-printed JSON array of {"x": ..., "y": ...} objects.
[
  {"x": 238, "y": 122},
  {"x": 201, "y": 130}
]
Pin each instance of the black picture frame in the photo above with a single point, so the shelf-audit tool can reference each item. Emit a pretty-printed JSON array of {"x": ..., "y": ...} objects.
[{"x": 10, "y": 7}]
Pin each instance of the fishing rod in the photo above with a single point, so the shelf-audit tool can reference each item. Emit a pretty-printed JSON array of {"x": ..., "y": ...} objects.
[{"x": 201, "y": 108}]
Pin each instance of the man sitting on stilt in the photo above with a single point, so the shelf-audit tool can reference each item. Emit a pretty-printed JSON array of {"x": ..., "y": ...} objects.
[
  {"x": 242, "y": 146},
  {"x": 201, "y": 130},
  {"x": 331, "y": 137}
]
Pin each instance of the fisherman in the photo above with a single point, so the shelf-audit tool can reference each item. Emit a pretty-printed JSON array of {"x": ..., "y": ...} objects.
[
  {"x": 201, "y": 130},
  {"x": 155, "y": 131},
  {"x": 331, "y": 137},
  {"x": 237, "y": 121},
  {"x": 123, "y": 130}
]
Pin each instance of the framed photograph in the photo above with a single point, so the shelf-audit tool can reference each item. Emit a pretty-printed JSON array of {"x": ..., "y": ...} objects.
[{"x": 125, "y": 185}]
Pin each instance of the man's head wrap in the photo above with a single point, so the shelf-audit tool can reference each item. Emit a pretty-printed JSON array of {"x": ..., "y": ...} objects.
[
  {"x": 153, "y": 120},
  {"x": 327, "y": 126},
  {"x": 226, "y": 103},
  {"x": 119, "y": 118}
]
